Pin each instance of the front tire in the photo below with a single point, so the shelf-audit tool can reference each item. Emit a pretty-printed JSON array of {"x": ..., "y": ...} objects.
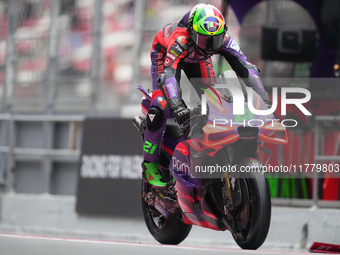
[
  {"x": 259, "y": 212},
  {"x": 164, "y": 230}
]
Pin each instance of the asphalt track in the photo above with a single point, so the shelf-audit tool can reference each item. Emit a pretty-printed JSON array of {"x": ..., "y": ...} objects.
[{"x": 11, "y": 244}]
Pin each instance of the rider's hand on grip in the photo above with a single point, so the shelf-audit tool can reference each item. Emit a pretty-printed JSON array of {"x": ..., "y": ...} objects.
[
  {"x": 179, "y": 110},
  {"x": 181, "y": 114}
]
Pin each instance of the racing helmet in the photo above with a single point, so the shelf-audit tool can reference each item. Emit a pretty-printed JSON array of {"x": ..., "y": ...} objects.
[{"x": 206, "y": 28}]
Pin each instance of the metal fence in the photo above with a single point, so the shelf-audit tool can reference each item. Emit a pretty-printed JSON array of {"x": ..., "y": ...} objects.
[{"x": 65, "y": 55}]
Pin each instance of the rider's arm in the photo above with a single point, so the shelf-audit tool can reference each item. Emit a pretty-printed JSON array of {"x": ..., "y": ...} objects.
[
  {"x": 238, "y": 62},
  {"x": 167, "y": 81}
]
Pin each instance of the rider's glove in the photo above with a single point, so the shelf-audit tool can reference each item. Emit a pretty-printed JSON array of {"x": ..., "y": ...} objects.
[
  {"x": 181, "y": 114},
  {"x": 179, "y": 110}
]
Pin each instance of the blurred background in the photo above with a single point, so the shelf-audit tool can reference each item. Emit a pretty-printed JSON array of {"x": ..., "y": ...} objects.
[{"x": 64, "y": 61}]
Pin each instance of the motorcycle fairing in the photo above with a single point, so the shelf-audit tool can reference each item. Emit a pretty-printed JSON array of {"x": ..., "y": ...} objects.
[{"x": 191, "y": 192}]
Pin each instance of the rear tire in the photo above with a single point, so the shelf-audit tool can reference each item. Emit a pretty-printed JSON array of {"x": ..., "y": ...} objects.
[
  {"x": 164, "y": 230},
  {"x": 259, "y": 201}
]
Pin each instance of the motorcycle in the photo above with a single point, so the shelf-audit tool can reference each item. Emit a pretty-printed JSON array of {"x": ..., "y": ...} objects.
[{"x": 237, "y": 199}]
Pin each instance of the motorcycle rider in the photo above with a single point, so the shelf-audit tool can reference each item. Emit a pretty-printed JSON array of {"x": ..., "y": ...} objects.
[{"x": 188, "y": 45}]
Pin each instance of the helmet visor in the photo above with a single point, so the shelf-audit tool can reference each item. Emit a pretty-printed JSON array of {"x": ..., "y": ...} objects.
[{"x": 207, "y": 43}]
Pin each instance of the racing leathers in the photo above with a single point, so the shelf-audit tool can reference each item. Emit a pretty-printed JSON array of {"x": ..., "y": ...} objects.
[{"x": 173, "y": 51}]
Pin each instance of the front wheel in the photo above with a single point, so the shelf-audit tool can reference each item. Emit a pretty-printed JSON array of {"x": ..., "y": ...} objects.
[
  {"x": 164, "y": 230},
  {"x": 255, "y": 213}
]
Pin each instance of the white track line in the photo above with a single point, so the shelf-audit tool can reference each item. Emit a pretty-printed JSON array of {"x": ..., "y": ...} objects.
[{"x": 141, "y": 244}]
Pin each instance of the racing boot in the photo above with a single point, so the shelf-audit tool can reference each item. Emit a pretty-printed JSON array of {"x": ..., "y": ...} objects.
[{"x": 152, "y": 175}]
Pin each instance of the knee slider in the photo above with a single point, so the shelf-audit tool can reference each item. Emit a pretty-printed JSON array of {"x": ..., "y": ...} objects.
[{"x": 154, "y": 118}]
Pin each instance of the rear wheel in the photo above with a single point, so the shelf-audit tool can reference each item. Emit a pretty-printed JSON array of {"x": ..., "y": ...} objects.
[
  {"x": 164, "y": 230},
  {"x": 253, "y": 216}
]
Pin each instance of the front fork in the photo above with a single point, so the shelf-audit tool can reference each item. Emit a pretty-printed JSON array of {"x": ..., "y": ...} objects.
[{"x": 229, "y": 201}]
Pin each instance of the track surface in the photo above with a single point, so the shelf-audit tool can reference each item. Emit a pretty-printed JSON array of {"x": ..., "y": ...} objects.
[{"x": 38, "y": 245}]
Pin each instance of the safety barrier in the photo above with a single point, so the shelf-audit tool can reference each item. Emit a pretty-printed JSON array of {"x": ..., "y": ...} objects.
[{"x": 43, "y": 141}]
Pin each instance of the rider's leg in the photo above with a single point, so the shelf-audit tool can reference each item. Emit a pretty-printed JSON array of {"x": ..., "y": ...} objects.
[{"x": 156, "y": 124}]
